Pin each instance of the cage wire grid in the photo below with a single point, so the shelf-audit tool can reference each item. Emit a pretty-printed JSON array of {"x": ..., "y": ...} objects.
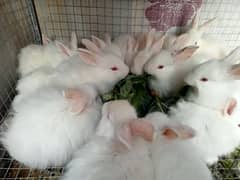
[{"x": 58, "y": 18}]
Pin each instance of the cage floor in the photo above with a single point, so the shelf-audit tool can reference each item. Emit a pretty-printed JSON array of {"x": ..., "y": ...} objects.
[{"x": 13, "y": 170}]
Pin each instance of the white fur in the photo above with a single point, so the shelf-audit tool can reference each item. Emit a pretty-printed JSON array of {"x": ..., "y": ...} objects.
[
  {"x": 217, "y": 135},
  {"x": 150, "y": 43},
  {"x": 175, "y": 159},
  {"x": 170, "y": 79},
  {"x": 105, "y": 157},
  {"x": 34, "y": 56},
  {"x": 194, "y": 36},
  {"x": 45, "y": 132},
  {"x": 50, "y": 54},
  {"x": 73, "y": 73}
]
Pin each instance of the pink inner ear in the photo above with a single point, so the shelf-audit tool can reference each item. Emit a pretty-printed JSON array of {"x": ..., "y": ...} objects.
[
  {"x": 180, "y": 41},
  {"x": 63, "y": 48},
  {"x": 142, "y": 129},
  {"x": 98, "y": 42},
  {"x": 236, "y": 70},
  {"x": 77, "y": 99},
  {"x": 125, "y": 135},
  {"x": 185, "y": 53},
  {"x": 90, "y": 45},
  {"x": 87, "y": 56},
  {"x": 157, "y": 44},
  {"x": 169, "y": 133},
  {"x": 230, "y": 106}
]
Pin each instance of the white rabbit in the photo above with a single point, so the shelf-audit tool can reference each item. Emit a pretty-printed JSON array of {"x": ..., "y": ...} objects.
[
  {"x": 50, "y": 124},
  {"x": 51, "y": 53},
  {"x": 169, "y": 69},
  {"x": 116, "y": 152},
  {"x": 195, "y": 37},
  {"x": 101, "y": 69},
  {"x": 32, "y": 82},
  {"x": 213, "y": 107},
  {"x": 218, "y": 80},
  {"x": 174, "y": 156},
  {"x": 218, "y": 132},
  {"x": 149, "y": 45}
]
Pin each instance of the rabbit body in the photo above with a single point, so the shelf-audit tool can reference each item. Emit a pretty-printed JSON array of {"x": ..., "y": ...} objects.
[
  {"x": 45, "y": 132},
  {"x": 217, "y": 135}
]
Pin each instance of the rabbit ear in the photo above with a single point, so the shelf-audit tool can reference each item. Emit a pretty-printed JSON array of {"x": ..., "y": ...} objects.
[
  {"x": 132, "y": 45},
  {"x": 178, "y": 131},
  {"x": 73, "y": 42},
  {"x": 205, "y": 25},
  {"x": 185, "y": 53},
  {"x": 234, "y": 56},
  {"x": 90, "y": 45},
  {"x": 77, "y": 99},
  {"x": 230, "y": 106},
  {"x": 98, "y": 42},
  {"x": 141, "y": 39},
  {"x": 107, "y": 38},
  {"x": 158, "y": 44},
  {"x": 125, "y": 136},
  {"x": 180, "y": 40},
  {"x": 45, "y": 39},
  {"x": 235, "y": 71},
  {"x": 64, "y": 49},
  {"x": 88, "y": 57},
  {"x": 195, "y": 21},
  {"x": 150, "y": 38},
  {"x": 143, "y": 129}
]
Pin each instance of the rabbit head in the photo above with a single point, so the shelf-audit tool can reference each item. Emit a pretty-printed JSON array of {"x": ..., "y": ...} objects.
[
  {"x": 193, "y": 36},
  {"x": 119, "y": 121},
  {"x": 148, "y": 46},
  {"x": 220, "y": 70},
  {"x": 106, "y": 68},
  {"x": 167, "y": 69}
]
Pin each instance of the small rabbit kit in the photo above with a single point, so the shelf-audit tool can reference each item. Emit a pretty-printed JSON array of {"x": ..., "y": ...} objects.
[{"x": 60, "y": 116}]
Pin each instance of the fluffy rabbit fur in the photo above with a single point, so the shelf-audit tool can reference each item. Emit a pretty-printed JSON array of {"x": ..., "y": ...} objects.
[
  {"x": 217, "y": 134},
  {"x": 113, "y": 153},
  {"x": 174, "y": 156},
  {"x": 103, "y": 70},
  {"x": 195, "y": 37},
  {"x": 50, "y": 124},
  {"x": 169, "y": 70},
  {"x": 212, "y": 109},
  {"x": 216, "y": 80},
  {"x": 51, "y": 53},
  {"x": 149, "y": 45},
  {"x": 125, "y": 46}
]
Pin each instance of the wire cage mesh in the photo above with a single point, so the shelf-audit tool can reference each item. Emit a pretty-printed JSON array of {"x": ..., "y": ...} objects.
[{"x": 23, "y": 21}]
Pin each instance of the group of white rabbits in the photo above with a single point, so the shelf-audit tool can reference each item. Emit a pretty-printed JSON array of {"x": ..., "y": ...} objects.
[{"x": 59, "y": 117}]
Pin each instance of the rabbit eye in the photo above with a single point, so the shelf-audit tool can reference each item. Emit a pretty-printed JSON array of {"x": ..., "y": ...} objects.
[
  {"x": 160, "y": 67},
  {"x": 204, "y": 79},
  {"x": 114, "y": 68},
  {"x": 195, "y": 43}
]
